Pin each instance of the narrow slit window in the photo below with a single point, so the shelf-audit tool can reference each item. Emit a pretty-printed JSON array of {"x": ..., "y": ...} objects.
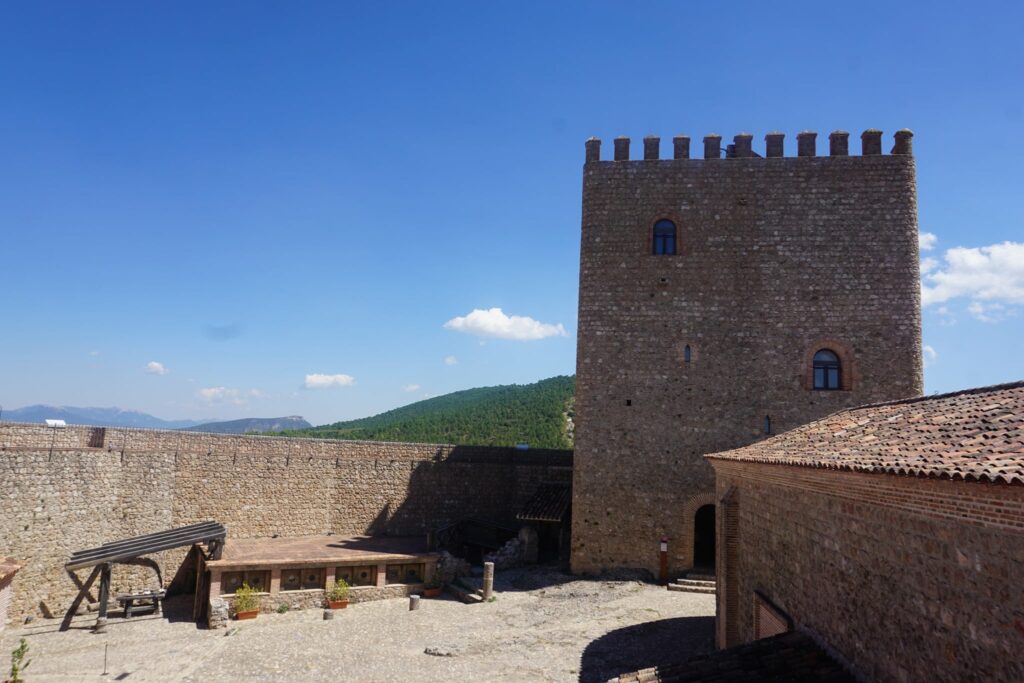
[
  {"x": 767, "y": 424},
  {"x": 686, "y": 354},
  {"x": 664, "y": 239}
]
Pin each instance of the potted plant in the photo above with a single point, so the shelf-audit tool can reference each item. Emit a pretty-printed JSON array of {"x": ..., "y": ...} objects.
[
  {"x": 433, "y": 588},
  {"x": 247, "y": 602},
  {"x": 337, "y": 596},
  {"x": 18, "y": 663}
]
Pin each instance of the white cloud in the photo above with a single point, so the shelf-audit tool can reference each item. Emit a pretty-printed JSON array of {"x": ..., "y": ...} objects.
[
  {"x": 411, "y": 387},
  {"x": 991, "y": 278},
  {"x": 930, "y": 355},
  {"x": 319, "y": 381},
  {"x": 451, "y": 360},
  {"x": 221, "y": 395},
  {"x": 94, "y": 353},
  {"x": 155, "y": 368},
  {"x": 926, "y": 241},
  {"x": 494, "y": 323},
  {"x": 989, "y": 312}
]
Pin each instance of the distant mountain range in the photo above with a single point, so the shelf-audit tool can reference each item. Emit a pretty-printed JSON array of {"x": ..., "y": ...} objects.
[
  {"x": 116, "y": 417},
  {"x": 249, "y": 425},
  {"x": 539, "y": 414},
  {"x": 98, "y": 417}
]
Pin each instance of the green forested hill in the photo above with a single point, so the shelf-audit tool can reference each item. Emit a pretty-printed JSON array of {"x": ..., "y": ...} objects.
[{"x": 538, "y": 414}]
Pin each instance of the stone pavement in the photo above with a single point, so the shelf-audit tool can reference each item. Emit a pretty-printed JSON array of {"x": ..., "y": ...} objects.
[{"x": 543, "y": 626}]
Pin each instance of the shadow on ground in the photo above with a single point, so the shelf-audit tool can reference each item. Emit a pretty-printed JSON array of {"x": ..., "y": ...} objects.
[{"x": 655, "y": 643}]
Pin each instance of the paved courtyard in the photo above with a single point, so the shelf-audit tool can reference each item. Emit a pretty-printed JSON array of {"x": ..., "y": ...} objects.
[{"x": 543, "y": 626}]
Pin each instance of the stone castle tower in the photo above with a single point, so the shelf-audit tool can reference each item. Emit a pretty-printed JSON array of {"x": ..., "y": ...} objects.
[{"x": 723, "y": 299}]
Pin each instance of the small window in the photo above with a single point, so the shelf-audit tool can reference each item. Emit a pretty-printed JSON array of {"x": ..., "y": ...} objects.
[
  {"x": 291, "y": 579},
  {"x": 405, "y": 573},
  {"x": 232, "y": 581},
  {"x": 767, "y": 424},
  {"x": 664, "y": 242},
  {"x": 312, "y": 579},
  {"x": 828, "y": 372},
  {"x": 357, "y": 576},
  {"x": 686, "y": 354}
]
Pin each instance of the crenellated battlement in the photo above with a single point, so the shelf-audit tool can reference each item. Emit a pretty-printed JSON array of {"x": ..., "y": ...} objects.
[{"x": 742, "y": 146}]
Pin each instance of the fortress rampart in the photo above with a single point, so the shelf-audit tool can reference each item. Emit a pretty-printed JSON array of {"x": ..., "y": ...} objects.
[
  {"x": 68, "y": 489},
  {"x": 742, "y": 146},
  {"x": 701, "y": 338}
]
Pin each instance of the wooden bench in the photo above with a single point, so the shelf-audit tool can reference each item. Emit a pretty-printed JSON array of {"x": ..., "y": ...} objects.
[{"x": 150, "y": 601}]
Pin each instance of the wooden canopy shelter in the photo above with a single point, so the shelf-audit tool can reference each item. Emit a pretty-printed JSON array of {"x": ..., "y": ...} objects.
[{"x": 131, "y": 551}]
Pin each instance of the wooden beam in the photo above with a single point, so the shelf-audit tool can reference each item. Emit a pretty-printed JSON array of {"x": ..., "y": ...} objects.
[
  {"x": 206, "y": 529},
  {"x": 82, "y": 592}
]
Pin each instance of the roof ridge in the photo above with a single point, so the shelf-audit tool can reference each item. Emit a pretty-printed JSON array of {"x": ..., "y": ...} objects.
[{"x": 934, "y": 397}]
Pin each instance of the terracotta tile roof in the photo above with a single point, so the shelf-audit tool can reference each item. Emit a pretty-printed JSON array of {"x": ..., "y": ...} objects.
[
  {"x": 548, "y": 504},
  {"x": 788, "y": 657},
  {"x": 8, "y": 568},
  {"x": 976, "y": 434}
]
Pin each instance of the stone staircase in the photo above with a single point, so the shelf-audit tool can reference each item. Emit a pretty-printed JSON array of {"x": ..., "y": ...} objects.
[
  {"x": 693, "y": 582},
  {"x": 467, "y": 589}
]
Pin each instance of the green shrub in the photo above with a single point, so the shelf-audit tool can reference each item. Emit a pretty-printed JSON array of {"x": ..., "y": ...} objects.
[
  {"x": 246, "y": 598},
  {"x": 339, "y": 591},
  {"x": 282, "y": 609},
  {"x": 18, "y": 663}
]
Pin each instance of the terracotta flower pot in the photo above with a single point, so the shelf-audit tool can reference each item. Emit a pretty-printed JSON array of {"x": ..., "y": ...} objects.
[
  {"x": 337, "y": 604},
  {"x": 248, "y": 614},
  {"x": 431, "y": 592}
]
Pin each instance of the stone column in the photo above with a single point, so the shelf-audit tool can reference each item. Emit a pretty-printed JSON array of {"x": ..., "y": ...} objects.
[
  {"x": 621, "y": 149},
  {"x": 275, "y": 581},
  {"x": 681, "y": 147},
  {"x": 652, "y": 146},
  {"x": 713, "y": 146},
  {"x": 806, "y": 143},
  {"x": 382, "y": 575},
  {"x": 488, "y": 580}
]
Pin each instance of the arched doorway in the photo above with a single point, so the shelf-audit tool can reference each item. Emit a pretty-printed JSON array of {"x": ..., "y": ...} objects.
[{"x": 704, "y": 538}]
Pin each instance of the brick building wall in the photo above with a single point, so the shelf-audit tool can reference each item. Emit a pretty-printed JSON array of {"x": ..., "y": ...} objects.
[
  {"x": 908, "y": 578},
  {"x": 131, "y": 482},
  {"x": 777, "y": 257}
]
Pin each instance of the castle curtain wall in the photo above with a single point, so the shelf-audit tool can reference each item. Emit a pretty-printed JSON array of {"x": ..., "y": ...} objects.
[
  {"x": 909, "y": 579},
  {"x": 98, "y": 485},
  {"x": 773, "y": 255}
]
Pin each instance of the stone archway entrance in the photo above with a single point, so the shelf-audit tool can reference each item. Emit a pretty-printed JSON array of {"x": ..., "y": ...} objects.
[{"x": 704, "y": 539}]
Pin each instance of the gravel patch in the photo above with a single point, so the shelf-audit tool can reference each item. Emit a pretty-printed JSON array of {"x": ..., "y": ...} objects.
[{"x": 543, "y": 626}]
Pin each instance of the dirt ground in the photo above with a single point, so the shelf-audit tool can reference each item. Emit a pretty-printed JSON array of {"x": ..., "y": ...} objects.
[{"x": 542, "y": 626}]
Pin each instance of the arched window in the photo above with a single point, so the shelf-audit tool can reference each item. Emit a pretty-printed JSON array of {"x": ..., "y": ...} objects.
[
  {"x": 664, "y": 241},
  {"x": 687, "y": 354},
  {"x": 828, "y": 372}
]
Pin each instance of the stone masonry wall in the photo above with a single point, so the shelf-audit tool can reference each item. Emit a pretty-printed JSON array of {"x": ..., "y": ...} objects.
[
  {"x": 777, "y": 257},
  {"x": 131, "y": 482},
  {"x": 910, "y": 579}
]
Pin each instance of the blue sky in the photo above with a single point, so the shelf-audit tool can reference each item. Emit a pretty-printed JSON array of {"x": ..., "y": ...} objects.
[{"x": 231, "y": 209}]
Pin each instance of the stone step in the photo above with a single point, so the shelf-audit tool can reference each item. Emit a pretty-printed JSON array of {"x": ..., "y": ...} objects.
[
  {"x": 683, "y": 588},
  {"x": 699, "y": 576},
  {"x": 464, "y": 594},
  {"x": 695, "y": 582},
  {"x": 473, "y": 583}
]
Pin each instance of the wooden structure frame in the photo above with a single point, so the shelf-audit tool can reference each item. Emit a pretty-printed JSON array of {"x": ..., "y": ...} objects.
[{"x": 130, "y": 551}]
